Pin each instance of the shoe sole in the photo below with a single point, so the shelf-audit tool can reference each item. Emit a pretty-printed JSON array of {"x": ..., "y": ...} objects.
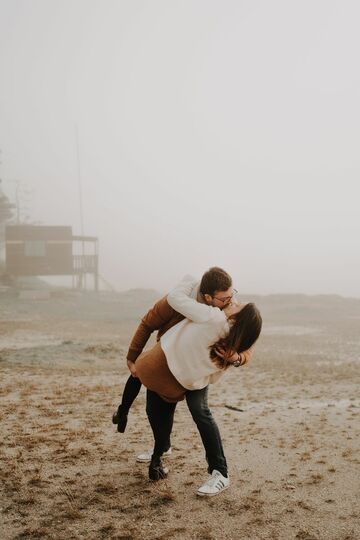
[
  {"x": 200, "y": 494},
  {"x": 147, "y": 460}
]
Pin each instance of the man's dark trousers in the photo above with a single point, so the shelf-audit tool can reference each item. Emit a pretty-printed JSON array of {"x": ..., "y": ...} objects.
[{"x": 161, "y": 416}]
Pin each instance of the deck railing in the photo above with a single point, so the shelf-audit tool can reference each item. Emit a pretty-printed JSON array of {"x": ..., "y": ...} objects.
[{"x": 85, "y": 263}]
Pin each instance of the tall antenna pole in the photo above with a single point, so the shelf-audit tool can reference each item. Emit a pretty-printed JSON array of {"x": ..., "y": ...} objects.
[
  {"x": 79, "y": 181},
  {"x": 17, "y": 202},
  {"x": 81, "y": 276}
]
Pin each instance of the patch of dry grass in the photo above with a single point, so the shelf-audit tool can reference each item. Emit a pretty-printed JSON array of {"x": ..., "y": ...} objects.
[{"x": 65, "y": 473}]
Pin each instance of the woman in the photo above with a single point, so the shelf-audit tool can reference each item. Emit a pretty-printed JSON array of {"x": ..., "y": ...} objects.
[
  {"x": 192, "y": 354},
  {"x": 196, "y": 352}
]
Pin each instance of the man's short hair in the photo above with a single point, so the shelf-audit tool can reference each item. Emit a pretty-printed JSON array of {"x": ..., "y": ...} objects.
[{"x": 215, "y": 279}]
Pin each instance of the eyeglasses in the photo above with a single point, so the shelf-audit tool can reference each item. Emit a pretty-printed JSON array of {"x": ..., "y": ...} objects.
[{"x": 227, "y": 298}]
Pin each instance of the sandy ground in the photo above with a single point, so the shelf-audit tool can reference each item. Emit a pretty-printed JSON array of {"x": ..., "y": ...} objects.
[{"x": 289, "y": 421}]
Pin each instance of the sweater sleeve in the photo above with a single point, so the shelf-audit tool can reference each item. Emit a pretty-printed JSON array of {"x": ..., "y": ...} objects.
[
  {"x": 179, "y": 299},
  {"x": 160, "y": 314}
]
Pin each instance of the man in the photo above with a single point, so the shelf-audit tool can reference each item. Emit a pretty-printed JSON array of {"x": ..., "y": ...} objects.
[{"x": 215, "y": 289}]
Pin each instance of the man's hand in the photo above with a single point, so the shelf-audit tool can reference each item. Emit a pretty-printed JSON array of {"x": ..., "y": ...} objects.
[
  {"x": 229, "y": 356},
  {"x": 132, "y": 368}
]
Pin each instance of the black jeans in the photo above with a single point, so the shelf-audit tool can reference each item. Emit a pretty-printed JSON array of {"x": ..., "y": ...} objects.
[
  {"x": 131, "y": 391},
  {"x": 161, "y": 417},
  {"x": 197, "y": 401}
]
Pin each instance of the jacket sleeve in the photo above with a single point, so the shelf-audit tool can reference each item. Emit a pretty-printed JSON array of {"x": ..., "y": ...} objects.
[
  {"x": 179, "y": 299},
  {"x": 156, "y": 317}
]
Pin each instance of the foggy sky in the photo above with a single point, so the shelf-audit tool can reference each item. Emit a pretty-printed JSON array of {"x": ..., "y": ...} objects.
[{"x": 211, "y": 133}]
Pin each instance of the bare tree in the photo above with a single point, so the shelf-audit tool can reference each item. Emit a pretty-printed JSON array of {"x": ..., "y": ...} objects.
[{"x": 6, "y": 215}]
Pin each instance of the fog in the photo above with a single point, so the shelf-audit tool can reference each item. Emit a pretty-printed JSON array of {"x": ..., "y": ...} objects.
[{"x": 210, "y": 133}]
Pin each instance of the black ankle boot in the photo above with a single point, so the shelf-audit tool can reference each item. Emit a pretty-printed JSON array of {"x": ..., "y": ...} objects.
[
  {"x": 120, "y": 418},
  {"x": 156, "y": 469}
]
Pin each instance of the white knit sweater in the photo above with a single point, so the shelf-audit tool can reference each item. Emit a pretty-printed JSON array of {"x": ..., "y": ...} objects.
[{"x": 186, "y": 345}]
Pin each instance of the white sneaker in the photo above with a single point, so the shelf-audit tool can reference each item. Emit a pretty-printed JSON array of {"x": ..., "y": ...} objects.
[
  {"x": 146, "y": 456},
  {"x": 215, "y": 484}
]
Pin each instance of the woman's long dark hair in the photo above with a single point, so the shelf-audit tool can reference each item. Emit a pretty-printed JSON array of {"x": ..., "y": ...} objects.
[{"x": 243, "y": 333}]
